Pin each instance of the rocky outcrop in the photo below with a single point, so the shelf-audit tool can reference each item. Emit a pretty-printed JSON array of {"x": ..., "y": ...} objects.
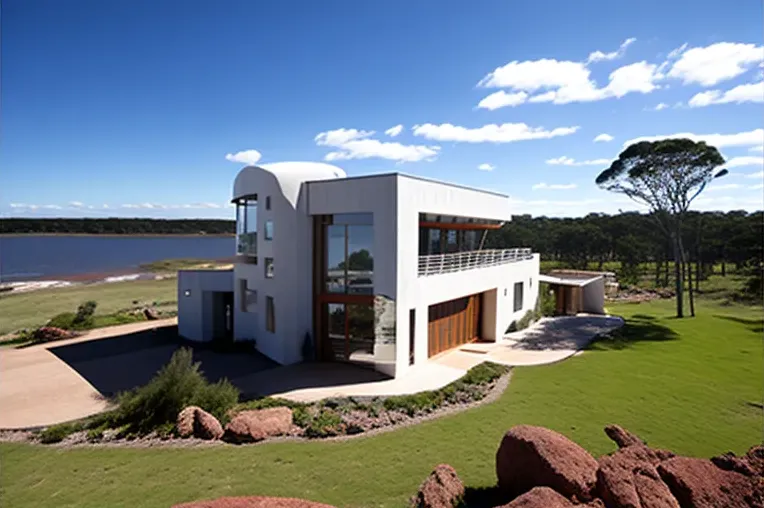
[
  {"x": 253, "y": 502},
  {"x": 534, "y": 456},
  {"x": 193, "y": 421},
  {"x": 256, "y": 425},
  {"x": 701, "y": 484},
  {"x": 442, "y": 489},
  {"x": 622, "y": 437},
  {"x": 150, "y": 314},
  {"x": 540, "y": 497}
]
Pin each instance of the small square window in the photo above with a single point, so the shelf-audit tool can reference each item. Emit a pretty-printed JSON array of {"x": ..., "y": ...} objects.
[
  {"x": 269, "y": 230},
  {"x": 268, "y": 268},
  {"x": 267, "y": 202}
]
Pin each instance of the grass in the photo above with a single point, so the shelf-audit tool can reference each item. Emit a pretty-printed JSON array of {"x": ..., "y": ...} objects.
[
  {"x": 173, "y": 265},
  {"x": 34, "y": 308},
  {"x": 687, "y": 385}
]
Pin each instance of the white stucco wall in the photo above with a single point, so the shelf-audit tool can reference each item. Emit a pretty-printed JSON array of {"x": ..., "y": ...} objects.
[
  {"x": 195, "y": 320},
  {"x": 594, "y": 296}
]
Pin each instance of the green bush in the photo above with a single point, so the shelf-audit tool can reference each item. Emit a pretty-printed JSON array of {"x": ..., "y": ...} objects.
[
  {"x": 85, "y": 313},
  {"x": 484, "y": 373},
  {"x": 301, "y": 417},
  {"x": 177, "y": 385},
  {"x": 546, "y": 305},
  {"x": 95, "y": 434},
  {"x": 326, "y": 423},
  {"x": 64, "y": 320},
  {"x": 57, "y": 433},
  {"x": 522, "y": 323}
]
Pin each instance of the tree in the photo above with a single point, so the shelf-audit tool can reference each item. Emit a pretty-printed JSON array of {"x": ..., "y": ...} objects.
[
  {"x": 665, "y": 175},
  {"x": 358, "y": 260}
]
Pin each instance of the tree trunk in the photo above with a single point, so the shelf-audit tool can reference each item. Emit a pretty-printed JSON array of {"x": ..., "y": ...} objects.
[
  {"x": 678, "y": 275},
  {"x": 666, "y": 273},
  {"x": 724, "y": 269},
  {"x": 657, "y": 272},
  {"x": 688, "y": 267},
  {"x": 698, "y": 271}
]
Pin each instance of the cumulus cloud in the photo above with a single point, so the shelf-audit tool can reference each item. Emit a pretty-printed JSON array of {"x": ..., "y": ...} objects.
[
  {"x": 660, "y": 106},
  {"x": 604, "y": 138},
  {"x": 745, "y": 160},
  {"x": 32, "y": 207},
  {"x": 567, "y": 161},
  {"x": 491, "y": 133},
  {"x": 394, "y": 131},
  {"x": 76, "y": 204},
  {"x": 244, "y": 157},
  {"x": 748, "y": 138},
  {"x": 723, "y": 186},
  {"x": 759, "y": 175},
  {"x": 357, "y": 144},
  {"x": 598, "y": 56},
  {"x": 554, "y": 186},
  {"x": 756, "y": 187},
  {"x": 715, "y": 63},
  {"x": 749, "y": 92},
  {"x": 486, "y": 167},
  {"x": 502, "y": 99}
]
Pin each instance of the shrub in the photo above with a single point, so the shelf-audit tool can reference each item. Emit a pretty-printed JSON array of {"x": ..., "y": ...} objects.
[
  {"x": 484, "y": 373},
  {"x": 300, "y": 416},
  {"x": 64, "y": 320},
  {"x": 85, "y": 313},
  {"x": 95, "y": 434},
  {"x": 522, "y": 323},
  {"x": 546, "y": 305},
  {"x": 326, "y": 423},
  {"x": 177, "y": 385},
  {"x": 57, "y": 433}
]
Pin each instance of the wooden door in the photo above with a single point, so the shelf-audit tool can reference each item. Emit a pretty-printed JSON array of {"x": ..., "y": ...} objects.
[{"x": 452, "y": 324}]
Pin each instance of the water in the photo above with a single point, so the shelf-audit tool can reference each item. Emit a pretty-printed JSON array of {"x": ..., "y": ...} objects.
[{"x": 33, "y": 257}]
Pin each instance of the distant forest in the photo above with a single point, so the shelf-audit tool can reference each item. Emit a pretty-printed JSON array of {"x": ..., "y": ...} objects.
[{"x": 118, "y": 226}]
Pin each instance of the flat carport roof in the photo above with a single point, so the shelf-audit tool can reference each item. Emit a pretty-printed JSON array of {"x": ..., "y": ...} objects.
[{"x": 567, "y": 281}]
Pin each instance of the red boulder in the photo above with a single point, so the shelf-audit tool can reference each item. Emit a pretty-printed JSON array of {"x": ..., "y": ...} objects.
[
  {"x": 253, "y": 502},
  {"x": 628, "y": 479},
  {"x": 622, "y": 437},
  {"x": 196, "y": 422},
  {"x": 256, "y": 425},
  {"x": 540, "y": 497},
  {"x": 442, "y": 489},
  {"x": 534, "y": 457},
  {"x": 700, "y": 484}
]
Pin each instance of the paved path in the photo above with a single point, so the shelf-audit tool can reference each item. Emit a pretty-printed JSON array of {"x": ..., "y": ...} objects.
[{"x": 37, "y": 388}]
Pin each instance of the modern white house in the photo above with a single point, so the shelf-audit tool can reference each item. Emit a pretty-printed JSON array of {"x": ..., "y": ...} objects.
[{"x": 384, "y": 270}]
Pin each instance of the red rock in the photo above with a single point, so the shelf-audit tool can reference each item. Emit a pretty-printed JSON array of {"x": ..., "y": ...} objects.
[
  {"x": 628, "y": 479},
  {"x": 700, "y": 484},
  {"x": 442, "y": 489},
  {"x": 253, "y": 502},
  {"x": 196, "y": 422},
  {"x": 755, "y": 459},
  {"x": 729, "y": 462},
  {"x": 622, "y": 437},
  {"x": 534, "y": 457},
  {"x": 540, "y": 497},
  {"x": 256, "y": 425}
]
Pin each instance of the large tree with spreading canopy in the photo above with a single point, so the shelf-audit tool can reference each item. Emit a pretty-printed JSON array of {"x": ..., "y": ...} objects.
[{"x": 665, "y": 175}]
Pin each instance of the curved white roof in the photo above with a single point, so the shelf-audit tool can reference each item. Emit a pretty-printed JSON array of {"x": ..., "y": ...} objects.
[{"x": 289, "y": 175}]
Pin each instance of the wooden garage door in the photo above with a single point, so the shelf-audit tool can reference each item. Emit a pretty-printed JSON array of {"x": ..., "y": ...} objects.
[{"x": 453, "y": 323}]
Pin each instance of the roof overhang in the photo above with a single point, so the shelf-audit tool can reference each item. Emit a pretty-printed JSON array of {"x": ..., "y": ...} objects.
[{"x": 562, "y": 281}]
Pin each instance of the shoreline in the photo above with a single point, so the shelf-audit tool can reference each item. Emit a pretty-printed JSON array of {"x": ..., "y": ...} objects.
[{"x": 124, "y": 235}]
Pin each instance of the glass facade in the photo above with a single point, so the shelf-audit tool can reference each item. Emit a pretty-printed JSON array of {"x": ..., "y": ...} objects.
[
  {"x": 246, "y": 226},
  {"x": 441, "y": 234},
  {"x": 349, "y": 241}
]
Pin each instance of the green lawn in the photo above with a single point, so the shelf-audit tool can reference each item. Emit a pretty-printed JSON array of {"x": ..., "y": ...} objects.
[
  {"x": 35, "y": 308},
  {"x": 686, "y": 385}
]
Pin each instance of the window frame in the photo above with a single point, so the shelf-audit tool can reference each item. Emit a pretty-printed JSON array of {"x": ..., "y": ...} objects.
[
  {"x": 270, "y": 315},
  {"x": 268, "y": 231},
  {"x": 268, "y": 263},
  {"x": 518, "y": 305}
]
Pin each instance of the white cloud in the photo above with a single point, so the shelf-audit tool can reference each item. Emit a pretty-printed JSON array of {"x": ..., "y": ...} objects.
[
  {"x": 76, "y": 204},
  {"x": 718, "y": 62},
  {"x": 756, "y": 187},
  {"x": 554, "y": 186},
  {"x": 661, "y": 106},
  {"x": 567, "y": 161},
  {"x": 749, "y": 92},
  {"x": 486, "y": 167},
  {"x": 502, "y": 99},
  {"x": 603, "y": 138},
  {"x": 759, "y": 148},
  {"x": 748, "y": 138},
  {"x": 674, "y": 53},
  {"x": 491, "y": 133},
  {"x": 244, "y": 157},
  {"x": 355, "y": 144},
  {"x": 597, "y": 56},
  {"x": 724, "y": 186},
  {"x": 745, "y": 160},
  {"x": 31, "y": 207},
  {"x": 759, "y": 174},
  {"x": 394, "y": 131}
]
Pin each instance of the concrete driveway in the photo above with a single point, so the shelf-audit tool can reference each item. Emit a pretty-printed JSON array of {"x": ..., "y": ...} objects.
[{"x": 61, "y": 381}]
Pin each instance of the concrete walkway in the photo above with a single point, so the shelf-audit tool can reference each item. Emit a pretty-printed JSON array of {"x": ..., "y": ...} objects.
[{"x": 37, "y": 388}]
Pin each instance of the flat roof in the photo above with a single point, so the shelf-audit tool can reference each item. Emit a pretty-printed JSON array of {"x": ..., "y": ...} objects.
[
  {"x": 567, "y": 281},
  {"x": 406, "y": 175}
]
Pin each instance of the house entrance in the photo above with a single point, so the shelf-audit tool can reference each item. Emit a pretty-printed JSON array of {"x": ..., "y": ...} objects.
[
  {"x": 222, "y": 315},
  {"x": 453, "y": 323},
  {"x": 349, "y": 333}
]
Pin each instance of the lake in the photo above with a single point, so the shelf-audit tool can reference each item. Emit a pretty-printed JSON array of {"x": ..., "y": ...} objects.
[{"x": 34, "y": 257}]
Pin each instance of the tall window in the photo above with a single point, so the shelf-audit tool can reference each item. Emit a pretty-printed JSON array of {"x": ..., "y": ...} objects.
[
  {"x": 350, "y": 254},
  {"x": 270, "y": 315},
  {"x": 246, "y": 226},
  {"x": 267, "y": 202},
  {"x": 268, "y": 268},
  {"x": 518, "y": 303},
  {"x": 269, "y": 230}
]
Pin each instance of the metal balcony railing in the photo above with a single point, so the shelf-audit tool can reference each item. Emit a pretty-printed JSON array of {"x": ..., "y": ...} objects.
[{"x": 459, "y": 261}]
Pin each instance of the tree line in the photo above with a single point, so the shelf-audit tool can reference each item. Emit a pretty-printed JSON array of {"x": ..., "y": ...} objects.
[{"x": 117, "y": 226}]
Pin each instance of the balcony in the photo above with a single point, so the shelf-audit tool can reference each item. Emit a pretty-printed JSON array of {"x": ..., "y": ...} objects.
[
  {"x": 437, "y": 264},
  {"x": 246, "y": 244}
]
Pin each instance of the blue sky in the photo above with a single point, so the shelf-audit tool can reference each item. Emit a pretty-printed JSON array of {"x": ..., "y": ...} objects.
[{"x": 129, "y": 108}]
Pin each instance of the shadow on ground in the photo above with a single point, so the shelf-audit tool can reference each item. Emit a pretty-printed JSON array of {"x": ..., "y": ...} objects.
[
  {"x": 121, "y": 363},
  {"x": 566, "y": 333},
  {"x": 754, "y": 325},
  {"x": 638, "y": 328},
  {"x": 117, "y": 364},
  {"x": 484, "y": 497}
]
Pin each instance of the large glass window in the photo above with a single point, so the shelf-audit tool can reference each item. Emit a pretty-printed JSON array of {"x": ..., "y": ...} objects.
[
  {"x": 518, "y": 300},
  {"x": 350, "y": 330},
  {"x": 268, "y": 230},
  {"x": 350, "y": 254},
  {"x": 246, "y": 226}
]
